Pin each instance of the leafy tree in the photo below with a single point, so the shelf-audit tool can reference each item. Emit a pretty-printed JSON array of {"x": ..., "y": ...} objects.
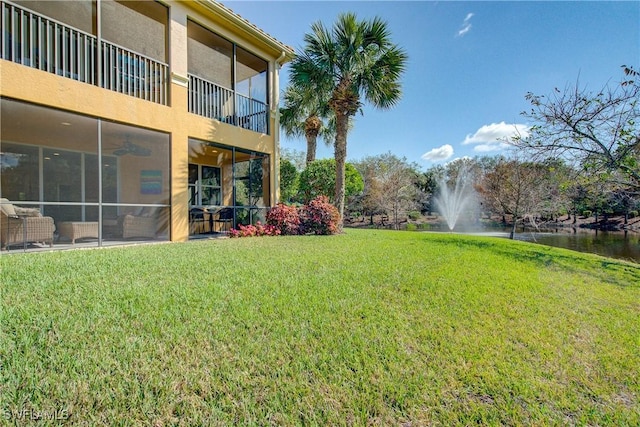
[
  {"x": 353, "y": 62},
  {"x": 427, "y": 184},
  {"x": 304, "y": 113},
  {"x": 288, "y": 181},
  {"x": 600, "y": 131},
  {"x": 514, "y": 188},
  {"x": 624, "y": 202},
  {"x": 391, "y": 185},
  {"x": 319, "y": 179},
  {"x": 556, "y": 177}
]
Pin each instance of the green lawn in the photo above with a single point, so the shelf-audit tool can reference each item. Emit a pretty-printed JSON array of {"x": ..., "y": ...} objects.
[{"x": 369, "y": 327}]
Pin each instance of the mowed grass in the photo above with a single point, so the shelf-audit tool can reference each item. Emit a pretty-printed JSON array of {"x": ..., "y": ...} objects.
[{"x": 365, "y": 328}]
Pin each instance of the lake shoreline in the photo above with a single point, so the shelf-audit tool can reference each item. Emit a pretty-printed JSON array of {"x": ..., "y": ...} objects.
[{"x": 613, "y": 223}]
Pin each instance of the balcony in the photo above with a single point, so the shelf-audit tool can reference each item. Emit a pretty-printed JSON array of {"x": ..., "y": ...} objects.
[
  {"x": 37, "y": 41},
  {"x": 216, "y": 102}
]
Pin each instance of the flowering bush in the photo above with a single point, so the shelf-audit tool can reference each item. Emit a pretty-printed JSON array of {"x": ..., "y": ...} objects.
[
  {"x": 319, "y": 216},
  {"x": 254, "y": 230},
  {"x": 285, "y": 218}
]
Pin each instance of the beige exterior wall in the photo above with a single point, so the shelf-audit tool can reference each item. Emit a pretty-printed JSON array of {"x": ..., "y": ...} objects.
[{"x": 39, "y": 87}]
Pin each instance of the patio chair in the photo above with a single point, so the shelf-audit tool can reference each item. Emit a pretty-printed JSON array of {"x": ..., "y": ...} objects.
[
  {"x": 144, "y": 224},
  {"x": 225, "y": 218},
  {"x": 24, "y": 225},
  {"x": 197, "y": 220}
]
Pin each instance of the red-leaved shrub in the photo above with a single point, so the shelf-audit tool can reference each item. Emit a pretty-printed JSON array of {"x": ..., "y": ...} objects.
[
  {"x": 284, "y": 218},
  {"x": 319, "y": 216},
  {"x": 254, "y": 230}
]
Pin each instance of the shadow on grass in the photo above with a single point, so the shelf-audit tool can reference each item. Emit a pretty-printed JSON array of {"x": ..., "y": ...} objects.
[{"x": 610, "y": 271}]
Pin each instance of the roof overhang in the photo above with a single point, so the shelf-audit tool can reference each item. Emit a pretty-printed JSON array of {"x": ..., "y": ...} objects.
[{"x": 283, "y": 52}]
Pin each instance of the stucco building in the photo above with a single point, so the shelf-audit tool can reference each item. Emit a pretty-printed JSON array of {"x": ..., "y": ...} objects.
[{"x": 134, "y": 120}]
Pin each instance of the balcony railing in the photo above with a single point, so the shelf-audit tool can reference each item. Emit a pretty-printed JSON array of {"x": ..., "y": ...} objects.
[
  {"x": 43, "y": 43},
  {"x": 133, "y": 74},
  {"x": 251, "y": 114},
  {"x": 216, "y": 102},
  {"x": 210, "y": 100}
]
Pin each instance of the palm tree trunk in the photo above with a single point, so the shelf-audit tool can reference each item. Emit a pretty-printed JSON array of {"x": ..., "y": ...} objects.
[
  {"x": 311, "y": 148},
  {"x": 340, "y": 153},
  {"x": 312, "y": 127}
]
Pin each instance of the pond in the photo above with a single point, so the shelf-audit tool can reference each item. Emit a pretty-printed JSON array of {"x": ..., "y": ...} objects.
[{"x": 614, "y": 244}]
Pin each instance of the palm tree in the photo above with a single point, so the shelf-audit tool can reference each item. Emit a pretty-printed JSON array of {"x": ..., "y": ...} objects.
[
  {"x": 304, "y": 114},
  {"x": 354, "y": 62}
]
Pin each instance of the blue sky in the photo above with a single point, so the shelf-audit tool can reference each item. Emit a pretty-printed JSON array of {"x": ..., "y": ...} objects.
[{"x": 470, "y": 66}]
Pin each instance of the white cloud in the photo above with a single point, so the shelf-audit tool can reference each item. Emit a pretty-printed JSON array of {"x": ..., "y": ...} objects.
[
  {"x": 466, "y": 25},
  {"x": 492, "y": 137},
  {"x": 440, "y": 153},
  {"x": 487, "y": 148},
  {"x": 458, "y": 159}
]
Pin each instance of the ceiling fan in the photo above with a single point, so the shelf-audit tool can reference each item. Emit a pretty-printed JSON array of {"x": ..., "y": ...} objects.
[{"x": 129, "y": 147}]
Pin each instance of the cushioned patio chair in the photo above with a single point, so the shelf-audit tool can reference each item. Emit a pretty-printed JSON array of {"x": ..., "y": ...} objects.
[
  {"x": 24, "y": 225},
  {"x": 144, "y": 224}
]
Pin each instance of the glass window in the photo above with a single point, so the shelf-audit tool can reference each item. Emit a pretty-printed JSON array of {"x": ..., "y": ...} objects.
[
  {"x": 19, "y": 179},
  {"x": 61, "y": 170},
  {"x": 194, "y": 194},
  {"x": 205, "y": 186},
  {"x": 211, "y": 166},
  {"x": 211, "y": 190},
  {"x": 252, "y": 179}
]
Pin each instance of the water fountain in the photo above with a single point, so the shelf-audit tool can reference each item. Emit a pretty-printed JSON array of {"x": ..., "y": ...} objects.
[{"x": 452, "y": 201}]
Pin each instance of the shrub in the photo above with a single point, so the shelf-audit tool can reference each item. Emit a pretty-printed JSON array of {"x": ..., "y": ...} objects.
[
  {"x": 586, "y": 214},
  {"x": 284, "y": 218},
  {"x": 319, "y": 216},
  {"x": 288, "y": 180},
  {"x": 414, "y": 215},
  {"x": 633, "y": 214},
  {"x": 411, "y": 227},
  {"x": 319, "y": 178},
  {"x": 254, "y": 230}
]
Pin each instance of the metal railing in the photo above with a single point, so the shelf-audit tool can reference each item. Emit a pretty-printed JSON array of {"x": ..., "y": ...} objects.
[
  {"x": 38, "y": 42},
  {"x": 133, "y": 74},
  {"x": 251, "y": 114},
  {"x": 31, "y": 39},
  {"x": 211, "y": 100}
]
